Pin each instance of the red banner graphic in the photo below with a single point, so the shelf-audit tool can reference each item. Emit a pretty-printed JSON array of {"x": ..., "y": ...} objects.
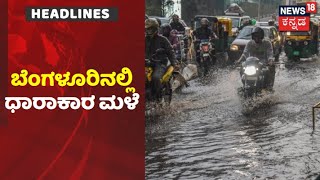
[
  {"x": 311, "y": 7},
  {"x": 294, "y": 23}
]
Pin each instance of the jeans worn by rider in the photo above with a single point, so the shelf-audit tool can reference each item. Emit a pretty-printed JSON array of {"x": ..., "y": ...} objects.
[
  {"x": 159, "y": 69},
  {"x": 201, "y": 33},
  {"x": 264, "y": 52}
]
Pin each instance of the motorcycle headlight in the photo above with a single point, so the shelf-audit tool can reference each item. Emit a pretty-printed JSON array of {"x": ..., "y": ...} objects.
[
  {"x": 250, "y": 70},
  {"x": 305, "y": 42},
  {"x": 234, "y": 48},
  {"x": 289, "y": 43}
]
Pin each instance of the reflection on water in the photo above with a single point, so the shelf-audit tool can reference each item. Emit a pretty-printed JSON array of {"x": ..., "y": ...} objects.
[{"x": 206, "y": 136}]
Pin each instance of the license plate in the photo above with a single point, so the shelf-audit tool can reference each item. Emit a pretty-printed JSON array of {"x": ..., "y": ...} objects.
[
  {"x": 296, "y": 53},
  {"x": 252, "y": 78},
  {"x": 205, "y": 55}
]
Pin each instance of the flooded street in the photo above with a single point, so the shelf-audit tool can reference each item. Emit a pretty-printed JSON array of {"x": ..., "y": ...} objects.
[{"x": 206, "y": 135}]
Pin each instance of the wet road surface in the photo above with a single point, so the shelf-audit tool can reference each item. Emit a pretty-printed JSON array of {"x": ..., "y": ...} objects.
[{"x": 206, "y": 135}]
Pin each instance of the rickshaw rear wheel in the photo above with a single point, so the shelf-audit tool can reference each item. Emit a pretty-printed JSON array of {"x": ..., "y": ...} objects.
[
  {"x": 295, "y": 59},
  {"x": 276, "y": 58}
]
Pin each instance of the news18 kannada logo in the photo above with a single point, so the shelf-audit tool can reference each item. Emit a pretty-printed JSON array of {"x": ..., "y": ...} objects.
[{"x": 296, "y": 18}]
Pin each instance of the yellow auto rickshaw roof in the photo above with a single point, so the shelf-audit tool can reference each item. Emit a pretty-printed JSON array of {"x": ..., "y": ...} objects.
[
  {"x": 228, "y": 21},
  {"x": 315, "y": 21}
]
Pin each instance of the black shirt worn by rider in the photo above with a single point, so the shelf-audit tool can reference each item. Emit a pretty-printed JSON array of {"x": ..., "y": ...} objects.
[
  {"x": 203, "y": 33},
  {"x": 177, "y": 26},
  {"x": 157, "y": 42}
]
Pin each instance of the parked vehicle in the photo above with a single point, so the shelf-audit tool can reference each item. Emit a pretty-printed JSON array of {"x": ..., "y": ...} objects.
[
  {"x": 237, "y": 22},
  {"x": 162, "y": 19},
  {"x": 302, "y": 44},
  {"x": 223, "y": 30},
  {"x": 262, "y": 23}
]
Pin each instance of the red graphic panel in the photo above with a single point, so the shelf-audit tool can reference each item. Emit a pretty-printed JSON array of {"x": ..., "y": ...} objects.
[
  {"x": 294, "y": 23},
  {"x": 311, "y": 7},
  {"x": 72, "y": 144}
]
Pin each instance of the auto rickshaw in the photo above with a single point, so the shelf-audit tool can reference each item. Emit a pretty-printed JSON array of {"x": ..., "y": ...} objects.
[
  {"x": 317, "y": 20},
  {"x": 223, "y": 29},
  {"x": 300, "y": 44}
]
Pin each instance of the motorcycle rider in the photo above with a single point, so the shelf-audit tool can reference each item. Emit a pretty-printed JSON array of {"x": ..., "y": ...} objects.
[
  {"x": 153, "y": 42},
  {"x": 262, "y": 49},
  {"x": 271, "y": 23},
  {"x": 171, "y": 35},
  {"x": 201, "y": 33},
  {"x": 245, "y": 23},
  {"x": 176, "y": 24},
  {"x": 159, "y": 21}
]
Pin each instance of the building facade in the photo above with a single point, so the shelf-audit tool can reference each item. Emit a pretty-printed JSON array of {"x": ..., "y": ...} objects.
[{"x": 191, "y": 8}]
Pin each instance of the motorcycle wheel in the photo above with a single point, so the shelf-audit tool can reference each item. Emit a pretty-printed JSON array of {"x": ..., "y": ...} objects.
[
  {"x": 294, "y": 59},
  {"x": 167, "y": 94},
  {"x": 206, "y": 65},
  {"x": 248, "y": 93},
  {"x": 276, "y": 59}
]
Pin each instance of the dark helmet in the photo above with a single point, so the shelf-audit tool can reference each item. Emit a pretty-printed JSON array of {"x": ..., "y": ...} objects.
[
  {"x": 215, "y": 20},
  {"x": 175, "y": 18},
  {"x": 257, "y": 32},
  {"x": 204, "y": 22},
  {"x": 271, "y": 22},
  {"x": 166, "y": 29},
  {"x": 159, "y": 21},
  {"x": 151, "y": 26}
]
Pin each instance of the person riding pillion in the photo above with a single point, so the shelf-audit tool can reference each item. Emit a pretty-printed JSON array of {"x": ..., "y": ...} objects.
[
  {"x": 154, "y": 42},
  {"x": 202, "y": 33},
  {"x": 176, "y": 24},
  {"x": 260, "y": 48},
  {"x": 171, "y": 35}
]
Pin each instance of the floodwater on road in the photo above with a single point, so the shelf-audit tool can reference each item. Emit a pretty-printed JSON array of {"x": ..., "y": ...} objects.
[{"x": 205, "y": 134}]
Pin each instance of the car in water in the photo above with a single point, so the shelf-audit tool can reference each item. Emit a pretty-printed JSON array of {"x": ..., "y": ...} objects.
[
  {"x": 237, "y": 22},
  {"x": 238, "y": 45},
  {"x": 163, "y": 20},
  {"x": 262, "y": 23}
]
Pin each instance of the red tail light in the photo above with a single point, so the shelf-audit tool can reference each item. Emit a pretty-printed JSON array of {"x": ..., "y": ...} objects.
[{"x": 205, "y": 48}]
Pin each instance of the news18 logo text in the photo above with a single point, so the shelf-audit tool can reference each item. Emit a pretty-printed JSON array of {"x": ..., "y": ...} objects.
[{"x": 296, "y": 18}]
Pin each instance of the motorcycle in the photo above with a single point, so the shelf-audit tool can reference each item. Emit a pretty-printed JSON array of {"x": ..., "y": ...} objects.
[
  {"x": 166, "y": 90},
  {"x": 207, "y": 55},
  {"x": 253, "y": 76}
]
